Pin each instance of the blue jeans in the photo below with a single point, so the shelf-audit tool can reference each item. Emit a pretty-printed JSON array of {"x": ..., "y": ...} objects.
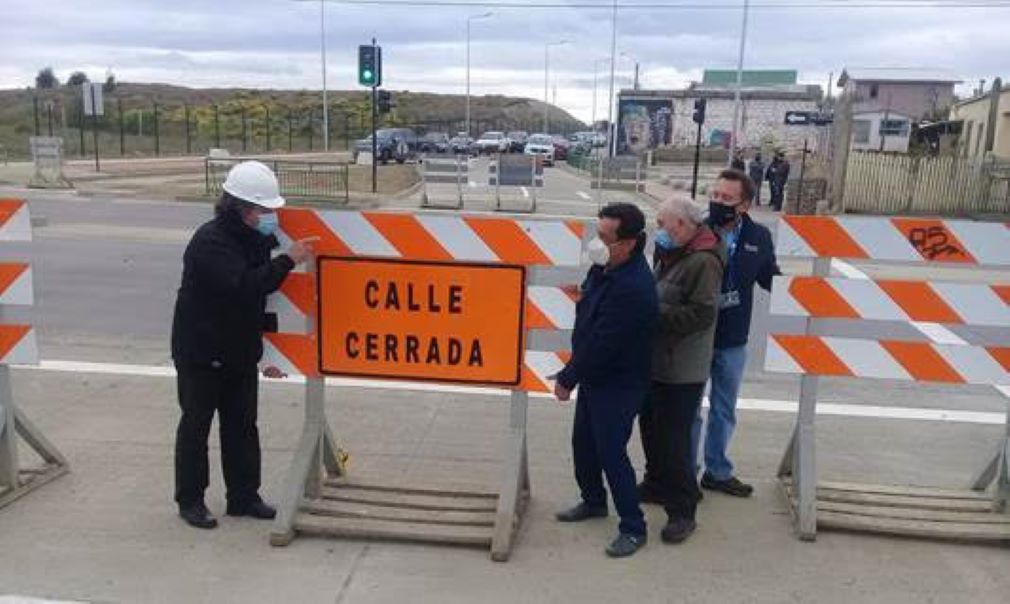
[{"x": 727, "y": 373}]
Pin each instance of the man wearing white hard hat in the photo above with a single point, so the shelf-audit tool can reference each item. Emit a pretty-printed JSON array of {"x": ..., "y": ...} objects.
[{"x": 220, "y": 317}]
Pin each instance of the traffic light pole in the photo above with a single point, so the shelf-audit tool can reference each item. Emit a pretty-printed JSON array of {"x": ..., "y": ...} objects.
[{"x": 375, "y": 142}]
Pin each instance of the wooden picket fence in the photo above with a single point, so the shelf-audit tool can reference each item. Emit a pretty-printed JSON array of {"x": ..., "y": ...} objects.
[{"x": 949, "y": 186}]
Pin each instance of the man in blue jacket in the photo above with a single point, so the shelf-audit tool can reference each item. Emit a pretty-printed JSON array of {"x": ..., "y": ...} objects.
[
  {"x": 751, "y": 260},
  {"x": 615, "y": 320}
]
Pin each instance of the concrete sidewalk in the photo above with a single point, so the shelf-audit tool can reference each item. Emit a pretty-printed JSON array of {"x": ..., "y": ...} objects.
[{"x": 108, "y": 531}]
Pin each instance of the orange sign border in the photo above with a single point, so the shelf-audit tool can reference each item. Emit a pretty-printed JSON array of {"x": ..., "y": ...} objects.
[{"x": 521, "y": 348}]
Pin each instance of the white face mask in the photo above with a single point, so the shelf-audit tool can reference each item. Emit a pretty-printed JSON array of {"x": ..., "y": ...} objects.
[{"x": 598, "y": 252}]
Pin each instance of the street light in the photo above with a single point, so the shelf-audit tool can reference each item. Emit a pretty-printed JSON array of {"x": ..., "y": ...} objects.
[
  {"x": 468, "y": 20},
  {"x": 596, "y": 64},
  {"x": 547, "y": 68},
  {"x": 634, "y": 60}
]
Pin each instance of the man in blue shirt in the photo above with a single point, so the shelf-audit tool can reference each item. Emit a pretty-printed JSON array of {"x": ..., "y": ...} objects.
[
  {"x": 751, "y": 260},
  {"x": 615, "y": 319}
]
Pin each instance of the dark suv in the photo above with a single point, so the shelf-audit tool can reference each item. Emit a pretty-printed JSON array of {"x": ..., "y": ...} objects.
[{"x": 398, "y": 144}]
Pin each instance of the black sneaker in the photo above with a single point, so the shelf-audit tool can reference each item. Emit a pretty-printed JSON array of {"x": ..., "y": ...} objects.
[
  {"x": 255, "y": 509},
  {"x": 197, "y": 515},
  {"x": 731, "y": 486},
  {"x": 677, "y": 530},
  {"x": 625, "y": 545},
  {"x": 580, "y": 512},
  {"x": 649, "y": 493}
]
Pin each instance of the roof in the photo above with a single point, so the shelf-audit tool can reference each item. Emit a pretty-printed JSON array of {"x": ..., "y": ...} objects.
[
  {"x": 749, "y": 77},
  {"x": 889, "y": 113},
  {"x": 769, "y": 93},
  {"x": 985, "y": 96},
  {"x": 897, "y": 74}
]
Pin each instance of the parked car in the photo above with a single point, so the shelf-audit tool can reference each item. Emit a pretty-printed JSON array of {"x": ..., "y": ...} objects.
[
  {"x": 517, "y": 141},
  {"x": 542, "y": 145},
  {"x": 461, "y": 143},
  {"x": 561, "y": 146},
  {"x": 434, "y": 142},
  {"x": 492, "y": 142},
  {"x": 396, "y": 144}
]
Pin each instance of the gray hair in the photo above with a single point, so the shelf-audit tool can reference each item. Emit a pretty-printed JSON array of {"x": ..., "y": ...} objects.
[{"x": 683, "y": 207}]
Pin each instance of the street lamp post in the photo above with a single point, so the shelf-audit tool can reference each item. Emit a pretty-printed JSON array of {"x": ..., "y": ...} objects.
[
  {"x": 739, "y": 83},
  {"x": 596, "y": 64},
  {"x": 322, "y": 48},
  {"x": 611, "y": 130},
  {"x": 468, "y": 20},
  {"x": 634, "y": 60},
  {"x": 547, "y": 68}
]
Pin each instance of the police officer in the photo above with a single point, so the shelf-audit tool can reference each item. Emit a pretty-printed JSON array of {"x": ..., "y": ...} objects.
[{"x": 216, "y": 341}]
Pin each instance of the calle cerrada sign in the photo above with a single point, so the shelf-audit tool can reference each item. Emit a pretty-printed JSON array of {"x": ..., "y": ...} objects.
[{"x": 404, "y": 319}]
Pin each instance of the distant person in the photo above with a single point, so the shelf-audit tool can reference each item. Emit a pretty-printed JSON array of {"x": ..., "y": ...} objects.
[
  {"x": 615, "y": 319},
  {"x": 751, "y": 260},
  {"x": 688, "y": 265},
  {"x": 777, "y": 175},
  {"x": 737, "y": 163},
  {"x": 756, "y": 171},
  {"x": 217, "y": 336}
]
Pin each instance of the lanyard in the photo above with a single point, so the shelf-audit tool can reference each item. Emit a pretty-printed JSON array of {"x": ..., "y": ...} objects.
[{"x": 732, "y": 239}]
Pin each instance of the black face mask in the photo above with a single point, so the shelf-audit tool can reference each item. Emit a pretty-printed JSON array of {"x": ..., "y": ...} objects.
[{"x": 719, "y": 214}]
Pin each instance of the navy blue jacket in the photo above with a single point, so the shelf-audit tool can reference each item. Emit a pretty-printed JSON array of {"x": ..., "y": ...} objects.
[
  {"x": 615, "y": 322},
  {"x": 753, "y": 261}
]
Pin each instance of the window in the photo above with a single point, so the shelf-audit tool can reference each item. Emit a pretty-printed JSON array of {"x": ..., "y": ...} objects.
[
  {"x": 861, "y": 131},
  {"x": 874, "y": 90},
  {"x": 893, "y": 127}
]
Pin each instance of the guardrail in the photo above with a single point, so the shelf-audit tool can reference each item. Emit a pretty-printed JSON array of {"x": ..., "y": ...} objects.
[{"x": 297, "y": 178}]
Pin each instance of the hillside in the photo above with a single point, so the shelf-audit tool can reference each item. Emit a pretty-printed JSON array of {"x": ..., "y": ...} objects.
[{"x": 294, "y": 117}]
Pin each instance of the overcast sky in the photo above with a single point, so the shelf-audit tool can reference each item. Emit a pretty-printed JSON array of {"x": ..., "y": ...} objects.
[{"x": 275, "y": 43}]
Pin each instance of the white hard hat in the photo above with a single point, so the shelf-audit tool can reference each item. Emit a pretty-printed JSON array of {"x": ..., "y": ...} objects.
[{"x": 255, "y": 183}]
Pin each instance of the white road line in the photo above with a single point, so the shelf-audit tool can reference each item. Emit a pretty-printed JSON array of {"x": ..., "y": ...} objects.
[
  {"x": 526, "y": 193},
  {"x": 749, "y": 404},
  {"x": 583, "y": 195}
]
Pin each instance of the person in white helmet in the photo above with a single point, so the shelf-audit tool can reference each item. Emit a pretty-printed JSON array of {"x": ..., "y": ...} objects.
[{"x": 217, "y": 330}]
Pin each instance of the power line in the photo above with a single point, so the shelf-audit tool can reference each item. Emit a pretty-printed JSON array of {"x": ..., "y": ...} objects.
[{"x": 686, "y": 5}]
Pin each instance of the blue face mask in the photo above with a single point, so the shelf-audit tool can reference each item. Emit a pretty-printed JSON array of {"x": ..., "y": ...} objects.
[
  {"x": 267, "y": 224},
  {"x": 664, "y": 241}
]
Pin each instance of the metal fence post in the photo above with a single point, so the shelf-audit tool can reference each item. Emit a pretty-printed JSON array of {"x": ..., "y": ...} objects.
[
  {"x": 189, "y": 145},
  {"x": 35, "y": 107},
  {"x": 245, "y": 141},
  {"x": 267, "y": 107},
  {"x": 80, "y": 122},
  {"x": 122, "y": 127},
  {"x": 290, "y": 133},
  {"x": 217, "y": 126},
  {"x": 157, "y": 133}
]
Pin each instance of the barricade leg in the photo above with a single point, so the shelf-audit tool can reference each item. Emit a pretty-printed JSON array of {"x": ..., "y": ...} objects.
[
  {"x": 805, "y": 461},
  {"x": 515, "y": 489},
  {"x": 8, "y": 435},
  {"x": 304, "y": 476}
]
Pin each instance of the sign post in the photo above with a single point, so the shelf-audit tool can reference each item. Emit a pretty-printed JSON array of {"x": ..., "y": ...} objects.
[{"x": 94, "y": 106}]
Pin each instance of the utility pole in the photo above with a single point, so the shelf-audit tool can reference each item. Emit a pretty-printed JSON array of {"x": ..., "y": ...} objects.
[
  {"x": 739, "y": 83},
  {"x": 611, "y": 130},
  {"x": 375, "y": 142},
  {"x": 322, "y": 44}
]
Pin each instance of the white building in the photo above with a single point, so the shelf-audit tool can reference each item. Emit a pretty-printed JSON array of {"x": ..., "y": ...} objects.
[
  {"x": 881, "y": 131},
  {"x": 654, "y": 118}
]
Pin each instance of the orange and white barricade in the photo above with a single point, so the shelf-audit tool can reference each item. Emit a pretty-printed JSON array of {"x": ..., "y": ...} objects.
[
  {"x": 929, "y": 305},
  {"x": 18, "y": 346},
  {"x": 331, "y": 323}
]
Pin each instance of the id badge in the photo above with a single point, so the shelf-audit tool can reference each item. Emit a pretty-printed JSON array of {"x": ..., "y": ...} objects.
[{"x": 730, "y": 299}]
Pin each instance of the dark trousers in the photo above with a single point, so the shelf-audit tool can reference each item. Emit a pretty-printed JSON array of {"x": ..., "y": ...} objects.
[
  {"x": 603, "y": 424},
  {"x": 665, "y": 425},
  {"x": 778, "y": 191},
  {"x": 233, "y": 394}
]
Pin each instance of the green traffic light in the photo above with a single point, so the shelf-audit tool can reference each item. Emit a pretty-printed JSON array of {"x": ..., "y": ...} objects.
[{"x": 367, "y": 75}]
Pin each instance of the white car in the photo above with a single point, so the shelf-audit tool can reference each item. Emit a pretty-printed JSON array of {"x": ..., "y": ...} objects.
[
  {"x": 492, "y": 142},
  {"x": 542, "y": 145}
]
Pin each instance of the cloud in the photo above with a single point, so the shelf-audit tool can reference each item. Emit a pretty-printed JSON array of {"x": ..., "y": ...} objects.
[{"x": 275, "y": 43}]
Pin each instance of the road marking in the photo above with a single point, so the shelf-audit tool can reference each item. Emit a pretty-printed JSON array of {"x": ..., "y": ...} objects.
[
  {"x": 583, "y": 195},
  {"x": 749, "y": 404},
  {"x": 526, "y": 193}
]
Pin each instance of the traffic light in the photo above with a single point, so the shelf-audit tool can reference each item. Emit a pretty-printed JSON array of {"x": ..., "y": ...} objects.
[
  {"x": 384, "y": 101},
  {"x": 699, "y": 111},
  {"x": 369, "y": 65}
]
